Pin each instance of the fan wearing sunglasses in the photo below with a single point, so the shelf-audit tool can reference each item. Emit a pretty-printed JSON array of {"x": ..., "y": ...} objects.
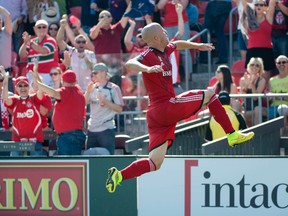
[
  {"x": 106, "y": 37},
  {"x": 258, "y": 27},
  {"x": 82, "y": 59},
  {"x": 278, "y": 84},
  {"x": 26, "y": 120},
  {"x": 43, "y": 47},
  {"x": 252, "y": 83}
]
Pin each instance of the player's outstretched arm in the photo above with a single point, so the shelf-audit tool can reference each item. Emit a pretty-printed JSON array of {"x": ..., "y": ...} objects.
[
  {"x": 183, "y": 44},
  {"x": 135, "y": 65}
]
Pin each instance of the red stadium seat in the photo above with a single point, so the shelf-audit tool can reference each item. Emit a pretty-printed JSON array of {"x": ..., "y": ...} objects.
[{"x": 237, "y": 70}]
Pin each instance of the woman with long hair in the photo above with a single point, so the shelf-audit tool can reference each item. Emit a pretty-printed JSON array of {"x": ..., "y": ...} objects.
[
  {"x": 257, "y": 22},
  {"x": 252, "y": 83}
]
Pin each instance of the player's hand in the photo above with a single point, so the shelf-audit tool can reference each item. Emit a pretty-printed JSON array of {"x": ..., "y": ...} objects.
[
  {"x": 206, "y": 47},
  {"x": 3, "y": 72},
  {"x": 155, "y": 69}
]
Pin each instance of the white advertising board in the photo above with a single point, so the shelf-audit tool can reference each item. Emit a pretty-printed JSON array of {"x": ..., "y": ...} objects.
[{"x": 215, "y": 187}]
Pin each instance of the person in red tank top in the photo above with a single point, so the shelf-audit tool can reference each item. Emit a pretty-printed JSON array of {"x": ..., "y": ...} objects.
[
  {"x": 166, "y": 109},
  {"x": 259, "y": 34}
]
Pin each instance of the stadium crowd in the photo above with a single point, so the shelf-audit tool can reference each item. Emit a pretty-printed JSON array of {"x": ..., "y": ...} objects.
[{"x": 56, "y": 54}]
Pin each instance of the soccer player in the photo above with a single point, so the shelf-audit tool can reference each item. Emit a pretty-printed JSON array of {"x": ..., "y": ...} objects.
[{"x": 166, "y": 109}]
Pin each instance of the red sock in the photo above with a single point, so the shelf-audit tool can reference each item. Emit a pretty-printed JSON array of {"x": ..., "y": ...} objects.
[
  {"x": 219, "y": 114},
  {"x": 138, "y": 168}
]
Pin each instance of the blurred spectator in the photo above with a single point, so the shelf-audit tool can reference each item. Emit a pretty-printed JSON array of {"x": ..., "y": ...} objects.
[
  {"x": 68, "y": 118},
  {"x": 5, "y": 43},
  {"x": 74, "y": 7},
  {"x": 90, "y": 13},
  {"x": 117, "y": 8},
  {"x": 56, "y": 74},
  {"x": 224, "y": 80},
  {"x": 74, "y": 29},
  {"x": 280, "y": 28},
  {"x": 139, "y": 8},
  {"x": 277, "y": 84},
  {"x": 82, "y": 59},
  {"x": 252, "y": 83},
  {"x": 225, "y": 83},
  {"x": 133, "y": 48},
  {"x": 43, "y": 47},
  {"x": 5, "y": 117},
  {"x": 241, "y": 39},
  {"x": 62, "y": 7},
  {"x": 29, "y": 24},
  {"x": 105, "y": 101},
  {"x": 257, "y": 25},
  {"x": 47, "y": 10},
  {"x": 192, "y": 13},
  {"x": 170, "y": 23},
  {"x": 46, "y": 105},
  {"x": 215, "y": 131},
  {"x": 18, "y": 12},
  {"x": 106, "y": 37},
  {"x": 53, "y": 29},
  {"x": 4, "y": 114},
  {"x": 215, "y": 17},
  {"x": 26, "y": 113}
]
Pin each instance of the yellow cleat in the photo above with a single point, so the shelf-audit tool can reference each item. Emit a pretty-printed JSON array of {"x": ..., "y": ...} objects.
[
  {"x": 114, "y": 179},
  {"x": 238, "y": 137}
]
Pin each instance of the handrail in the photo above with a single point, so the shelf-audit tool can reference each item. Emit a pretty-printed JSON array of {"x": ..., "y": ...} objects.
[
  {"x": 204, "y": 31},
  {"x": 231, "y": 35}
]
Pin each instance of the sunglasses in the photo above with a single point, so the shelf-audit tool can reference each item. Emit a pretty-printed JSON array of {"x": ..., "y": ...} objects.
[
  {"x": 254, "y": 65},
  {"x": 81, "y": 41},
  {"x": 93, "y": 74},
  {"x": 103, "y": 16},
  {"x": 54, "y": 74},
  {"x": 259, "y": 5},
  {"x": 21, "y": 86},
  {"x": 281, "y": 62},
  {"x": 55, "y": 29},
  {"x": 41, "y": 27}
]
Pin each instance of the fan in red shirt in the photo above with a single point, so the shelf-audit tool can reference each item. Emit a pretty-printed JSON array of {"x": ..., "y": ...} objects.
[
  {"x": 166, "y": 109},
  {"x": 26, "y": 116}
]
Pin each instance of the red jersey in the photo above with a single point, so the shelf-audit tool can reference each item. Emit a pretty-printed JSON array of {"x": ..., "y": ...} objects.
[
  {"x": 46, "y": 61},
  {"x": 69, "y": 111},
  {"x": 159, "y": 85},
  {"x": 165, "y": 109},
  {"x": 108, "y": 41},
  {"x": 26, "y": 118},
  {"x": 260, "y": 38}
]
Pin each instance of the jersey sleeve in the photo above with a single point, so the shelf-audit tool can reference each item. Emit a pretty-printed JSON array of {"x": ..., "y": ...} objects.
[{"x": 171, "y": 47}]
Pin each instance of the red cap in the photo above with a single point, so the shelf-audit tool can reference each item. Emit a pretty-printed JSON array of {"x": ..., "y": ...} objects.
[
  {"x": 69, "y": 76},
  {"x": 21, "y": 79}
]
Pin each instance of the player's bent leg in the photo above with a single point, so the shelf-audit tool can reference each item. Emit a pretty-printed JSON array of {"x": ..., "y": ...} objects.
[{"x": 157, "y": 155}]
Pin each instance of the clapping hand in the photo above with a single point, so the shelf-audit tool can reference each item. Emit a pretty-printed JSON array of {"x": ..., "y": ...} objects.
[{"x": 4, "y": 73}]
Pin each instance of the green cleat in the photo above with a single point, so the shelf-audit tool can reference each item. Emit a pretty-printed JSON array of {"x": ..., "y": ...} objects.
[
  {"x": 238, "y": 137},
  {"x": 114, "y": 179}
]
